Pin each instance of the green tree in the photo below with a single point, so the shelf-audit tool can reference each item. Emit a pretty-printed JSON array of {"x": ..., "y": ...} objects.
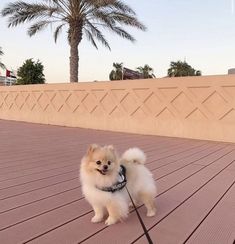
[
  {"x": 180, "y": 68},
  {"x": 198, "y": 73},
  {"x": 30, "y": 73},
  {"x": 1, "y": 64},
  {"x": 117, "y": 72},
  {"x": 146, "y": 71},
  {"x": 83, "y": 17}
]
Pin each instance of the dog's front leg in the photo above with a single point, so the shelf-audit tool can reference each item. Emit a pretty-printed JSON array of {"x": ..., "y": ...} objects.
[{"x": 99, "y": 214}]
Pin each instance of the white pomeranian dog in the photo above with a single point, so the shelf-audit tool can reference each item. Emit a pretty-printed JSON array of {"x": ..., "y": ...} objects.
[{"x": 105, "y": 177}]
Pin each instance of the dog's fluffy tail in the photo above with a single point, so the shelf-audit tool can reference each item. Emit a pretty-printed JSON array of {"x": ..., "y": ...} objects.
[{"x": 134, "y": 155}]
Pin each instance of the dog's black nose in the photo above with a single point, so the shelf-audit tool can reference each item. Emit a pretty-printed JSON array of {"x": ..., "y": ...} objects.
[{"x": 105, "y": 167}]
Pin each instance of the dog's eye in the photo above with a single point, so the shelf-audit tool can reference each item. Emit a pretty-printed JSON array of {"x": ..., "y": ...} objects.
[
  {"x": 98, "y": 162},
  {"x": 109, "y": 162}
]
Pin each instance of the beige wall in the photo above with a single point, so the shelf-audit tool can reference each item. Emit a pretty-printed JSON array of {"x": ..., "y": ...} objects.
[{"x": 193, "y": 107}]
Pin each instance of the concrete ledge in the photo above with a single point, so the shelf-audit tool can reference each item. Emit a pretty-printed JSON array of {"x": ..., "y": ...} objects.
[{"x": 191, "y": 107}]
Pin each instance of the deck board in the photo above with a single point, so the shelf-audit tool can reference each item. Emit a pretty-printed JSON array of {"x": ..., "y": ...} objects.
[
  {"x": 219, "y": 225},
  {"x": 41, "y": 199},
  {"x": 187, "y": 216},
  {"x": 172, "y": 196}
]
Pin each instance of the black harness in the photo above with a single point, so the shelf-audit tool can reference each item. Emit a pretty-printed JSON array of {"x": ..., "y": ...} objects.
[{"x": 120, "y": 184}]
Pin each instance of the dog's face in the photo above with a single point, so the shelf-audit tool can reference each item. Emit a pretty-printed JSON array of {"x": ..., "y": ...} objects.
[{"x": 102, "y": 160}]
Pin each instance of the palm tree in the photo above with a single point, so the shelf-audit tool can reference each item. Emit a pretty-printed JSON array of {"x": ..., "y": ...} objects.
[
  {"x": 180, "y": 68},
  {"x": 1, "y": 64},
  {"x": 117, "y": 72},
  {"x": 81, "y": 17},
  {"x": 198, "y": 73},
  {"x": 146, "y": 71}
]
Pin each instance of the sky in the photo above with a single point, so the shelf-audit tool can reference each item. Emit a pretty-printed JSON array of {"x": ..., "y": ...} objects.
[{"x": 202, "y": 32}]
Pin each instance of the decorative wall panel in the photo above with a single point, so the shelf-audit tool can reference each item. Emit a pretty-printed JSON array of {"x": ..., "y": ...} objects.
[{"x": 193, "y": 107}]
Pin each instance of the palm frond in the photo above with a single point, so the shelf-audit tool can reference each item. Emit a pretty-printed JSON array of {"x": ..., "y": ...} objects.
[
  {"x": 21, "y": 12},
  {"x": 97, "y": 34},
  {"x": 38, "y": 27},
  {"x": 122, "y": 33},
  {"x": 111, "y": 4},
  {"x": 63, "y": 5},
  {"x": 114, "y": 20},
  {"x": 140, "y": 69},
  {"x": 102, "y": 17},
  {"x": 2, "y": 65},
  {"x": 127, "y": 20},
  {"x": 90, "y": 38},
  {"x": 123, "y": 7},
  {"x": 14, "y": 7},
  {"x": 58, "y": 31},
  {"x": 1, "y": 52},
  {"x": 116, "y": 17},
  {"x": 146, "y": 71},
  {"x": 118, "y": 66}
]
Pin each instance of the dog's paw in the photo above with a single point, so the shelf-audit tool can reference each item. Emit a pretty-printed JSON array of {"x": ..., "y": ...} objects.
[
  {"x": 110, "y": 221},
  {"x": 97, "y": 219},
  {"x": 151, "y": 213}
]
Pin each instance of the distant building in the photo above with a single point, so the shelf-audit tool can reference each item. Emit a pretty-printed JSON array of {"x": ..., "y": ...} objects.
[
  {"x": 129, "y": 74},
  {"x": 231, "y": 71},
  {"x": 7, "y": 81}
]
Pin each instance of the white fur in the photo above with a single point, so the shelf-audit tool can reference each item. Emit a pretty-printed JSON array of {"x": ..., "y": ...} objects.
[
  {"x": 139, "y": 177},
  {"x": 99, "y": 200},
  {"x": 134, "y": 155},
  {"x": 139, "y": 180}
]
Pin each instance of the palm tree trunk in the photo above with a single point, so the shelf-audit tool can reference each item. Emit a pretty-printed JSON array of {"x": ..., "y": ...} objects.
[
  {"x": 75, "y": 37},
  {"x": 73, "y": 62}
]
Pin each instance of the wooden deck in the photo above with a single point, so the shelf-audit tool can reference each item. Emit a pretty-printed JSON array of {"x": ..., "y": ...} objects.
[{"x": 41, "y": 200}]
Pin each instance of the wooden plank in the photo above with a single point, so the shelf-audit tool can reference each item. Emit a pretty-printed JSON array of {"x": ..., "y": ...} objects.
[
  {"x": 209, "y": 155},
  {"x": 178, "y": 226},
  {"x": 22, "y": 177},
  {"x": 219, "y": 225},
  {"x": 41, "y": 194},
  {"x": 31, "y": 200},
  {"x": 189, "y": 157},
  {"x": 159, "y": 162},
  {"x": 13, "y": 202},
  {"x": 25, "y": 199},
  {"x": 57, "y": 157},
  {"x": 21, "y": 199},
  {"x": 172, "y": 198},
  {"x": 35, "y": 209},
  {"x": 63, "y": 200},
  {"x": 167, "y": 202},
  {"x": 19, "y": 189},
  {"x": 51, "y": 165},
  {"x": 36, "y": 185}
]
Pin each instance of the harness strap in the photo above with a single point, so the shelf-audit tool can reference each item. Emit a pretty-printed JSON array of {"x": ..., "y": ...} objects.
[{"x": 119, "y": 185}]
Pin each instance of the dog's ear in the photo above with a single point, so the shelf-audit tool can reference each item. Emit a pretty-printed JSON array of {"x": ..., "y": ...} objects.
[
  {"x": 92, "y": 148},
  {"x": 110, "y": 147}
]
